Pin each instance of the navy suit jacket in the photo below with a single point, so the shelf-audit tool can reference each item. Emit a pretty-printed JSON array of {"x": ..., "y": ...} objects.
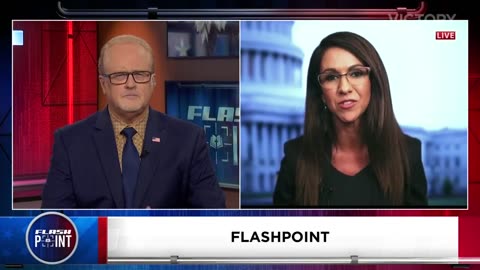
[{"x": 174, "y": 173}]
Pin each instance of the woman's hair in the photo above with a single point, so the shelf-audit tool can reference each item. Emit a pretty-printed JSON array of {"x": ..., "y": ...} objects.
[{"x": 379, "y": 128}]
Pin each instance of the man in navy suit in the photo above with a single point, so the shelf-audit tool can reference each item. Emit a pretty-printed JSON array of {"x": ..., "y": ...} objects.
[{"x": 129, "y": 155}]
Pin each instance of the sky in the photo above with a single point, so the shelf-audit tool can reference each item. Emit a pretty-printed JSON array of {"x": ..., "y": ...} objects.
[{"x": 428, "y": 77}]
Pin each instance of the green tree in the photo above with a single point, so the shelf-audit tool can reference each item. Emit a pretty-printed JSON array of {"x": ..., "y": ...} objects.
[{"x": 447, "y": 187}]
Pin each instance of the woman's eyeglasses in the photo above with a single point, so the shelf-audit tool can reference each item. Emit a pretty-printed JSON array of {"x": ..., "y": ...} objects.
[{"x": 331, "y": 79}]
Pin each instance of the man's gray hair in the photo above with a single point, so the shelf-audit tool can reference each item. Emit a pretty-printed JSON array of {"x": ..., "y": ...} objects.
[{"x": 123, "y": 39}]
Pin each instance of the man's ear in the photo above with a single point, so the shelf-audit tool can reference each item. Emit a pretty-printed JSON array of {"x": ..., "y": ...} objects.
[
  {"x": 153, "y": 80},
  {"x": 103, "y": 83}
]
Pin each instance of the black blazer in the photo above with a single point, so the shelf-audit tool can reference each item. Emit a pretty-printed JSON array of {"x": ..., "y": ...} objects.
[
  {"x": 175, "y": 170},
  {"x": 351, "y": 187}
]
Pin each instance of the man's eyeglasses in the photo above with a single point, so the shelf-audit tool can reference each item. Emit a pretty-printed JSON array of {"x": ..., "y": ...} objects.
[
  {"x": 118, "y": 78},
  {"x": 355, "y": 76}
]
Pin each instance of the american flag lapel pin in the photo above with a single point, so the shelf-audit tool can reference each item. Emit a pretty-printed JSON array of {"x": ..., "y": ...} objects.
[{"x": 155, "y": 139}]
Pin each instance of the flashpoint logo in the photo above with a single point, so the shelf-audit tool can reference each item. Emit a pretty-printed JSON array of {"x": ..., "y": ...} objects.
[
  {"x": 224, "y": 114},
  {"x": 221, "y": 129},
  {"x": 51, "y": 238},
  {"x": 216, "y": 142}
]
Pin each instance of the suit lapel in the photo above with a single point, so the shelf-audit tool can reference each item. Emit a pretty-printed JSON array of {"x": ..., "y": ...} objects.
[
  {"x": 107, "y": 150},
  {"x": 152, "y": 154}
]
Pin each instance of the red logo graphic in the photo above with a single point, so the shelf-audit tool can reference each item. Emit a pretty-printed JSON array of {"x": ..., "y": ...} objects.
[{"x": 447, "y": 35}]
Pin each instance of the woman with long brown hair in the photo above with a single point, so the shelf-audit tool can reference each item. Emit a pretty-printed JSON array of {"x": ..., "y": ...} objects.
[{"x": 353, "y": 152}]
